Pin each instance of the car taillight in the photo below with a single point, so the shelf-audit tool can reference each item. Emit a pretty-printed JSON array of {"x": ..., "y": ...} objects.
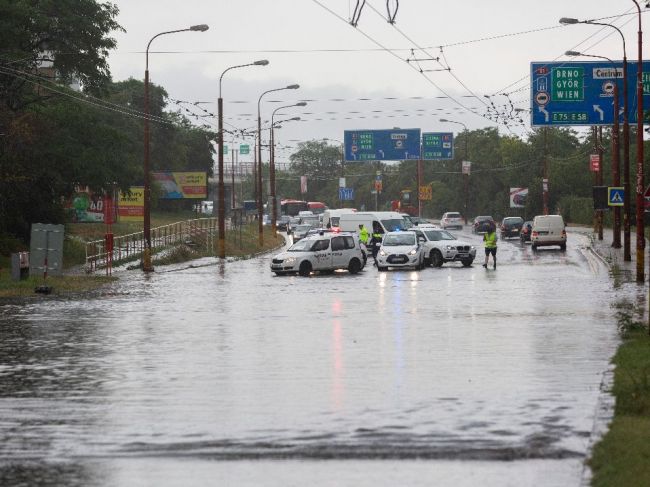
[
  {"x": 535, "y": 234},
  {"x": 564, "y": 233}
]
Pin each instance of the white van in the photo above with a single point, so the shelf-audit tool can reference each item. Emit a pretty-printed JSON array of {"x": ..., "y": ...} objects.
[
  {"x": 385, "y": 221},
  {"x": 548, "y": 230},
  {"x": 332, "y": 216}
]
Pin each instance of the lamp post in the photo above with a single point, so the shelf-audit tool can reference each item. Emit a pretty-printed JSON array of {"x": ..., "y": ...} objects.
[
  {"x": 146, "y": 256},
  {"x": 465, "y": 176},
  {"x": 626, "y": 143},
  {"x": 616, "y": 162},
  {"x": 222, "y": 197},
  {"x": 274, "y": 204},
  {"x": 640, "y": 230},
  {"x": 260, "y": 210}
]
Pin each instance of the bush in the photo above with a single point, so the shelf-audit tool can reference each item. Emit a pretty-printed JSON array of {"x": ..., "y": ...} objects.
[{"x": 577, "y": 210}]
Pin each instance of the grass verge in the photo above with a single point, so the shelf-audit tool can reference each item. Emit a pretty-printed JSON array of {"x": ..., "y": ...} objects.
[
  {"x": 622, "y": 457},
  {"x": 60, "y": 285}
]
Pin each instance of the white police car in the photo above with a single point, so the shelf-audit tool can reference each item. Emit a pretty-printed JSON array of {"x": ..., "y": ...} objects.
[
  {"x": 440, "y": 246},
  {"x": 323, "y": 252},
  {"x": 400, "y": 249}
]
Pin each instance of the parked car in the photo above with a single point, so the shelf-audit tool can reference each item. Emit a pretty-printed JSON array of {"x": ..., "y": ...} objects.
[
  {"x": 526, "y": 230},
  {"x": 451, "y": 219},
  {"x": 511, "y": 226},
  {"x": 400, "y": 249},
  {"x": 482, "y": 224},
  {"x": 324, "y": 253},
  {"x": 440, "y": 246},
  {"x": 548, "y": 230}
]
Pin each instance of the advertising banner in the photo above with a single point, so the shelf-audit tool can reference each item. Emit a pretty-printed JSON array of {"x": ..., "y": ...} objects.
[
  {"x": 518, "y": 197},
  {"x": 131, "y": 205},
  {"x": 182, "y": 185},
  {"x": 303, "y": 184},
  {"x": 85, "y": 207}
]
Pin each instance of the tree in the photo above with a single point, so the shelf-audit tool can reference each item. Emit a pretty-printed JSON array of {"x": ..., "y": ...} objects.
[{"x": 69, "y": 37}]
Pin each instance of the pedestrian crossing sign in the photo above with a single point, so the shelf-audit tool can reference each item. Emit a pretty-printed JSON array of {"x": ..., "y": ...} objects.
[{"x": 615, "y": 195}]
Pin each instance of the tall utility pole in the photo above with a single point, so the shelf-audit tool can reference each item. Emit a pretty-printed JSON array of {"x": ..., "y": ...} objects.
[
  {"x": 599, "y": 182},
  {"x": 640, "y": 230}
]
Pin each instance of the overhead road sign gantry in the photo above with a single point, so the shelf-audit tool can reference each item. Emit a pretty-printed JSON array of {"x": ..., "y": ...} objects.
[
  {"x": 581, "y": 92},
  {"x": 382, "y": 145},
  {"x": 437, "y": 146}
]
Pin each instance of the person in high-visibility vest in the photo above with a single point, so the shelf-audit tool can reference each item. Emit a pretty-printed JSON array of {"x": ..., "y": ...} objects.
[
  {"x": 490, "y": 240},
  {"x": 364, "y": 234}
]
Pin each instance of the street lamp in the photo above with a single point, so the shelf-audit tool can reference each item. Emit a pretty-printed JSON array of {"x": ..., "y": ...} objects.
[
  {"x": 260, "y": 210},
  {"x": 222, "y": 198},
  {"x": 626, "y": 146},
  {"x": 146, "y": 256},
  {"x": 616, "y": 162},
  {"x": 465, "y": 176},
  {"x": 274, "y": 204},
  {"x": 640, "y": 230}
]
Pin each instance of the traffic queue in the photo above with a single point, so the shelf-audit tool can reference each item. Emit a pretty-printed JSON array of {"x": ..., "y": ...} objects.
[{"x": 350, "y": 238}]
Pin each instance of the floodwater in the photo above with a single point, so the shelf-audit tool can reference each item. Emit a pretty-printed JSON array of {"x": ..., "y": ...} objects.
[{"x": 217, "y": 374}]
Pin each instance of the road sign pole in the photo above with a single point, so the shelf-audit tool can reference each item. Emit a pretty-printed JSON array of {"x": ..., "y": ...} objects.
[
  {"x": 419, "y": 186},
  {"x": 545, "y": 173}
]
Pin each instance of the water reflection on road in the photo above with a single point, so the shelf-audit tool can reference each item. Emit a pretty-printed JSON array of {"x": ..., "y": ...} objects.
[{"x": 233, "y": 363}]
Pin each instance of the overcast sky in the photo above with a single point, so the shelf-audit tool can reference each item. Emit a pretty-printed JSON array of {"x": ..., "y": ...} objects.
[{"x": 487, "y": 47}]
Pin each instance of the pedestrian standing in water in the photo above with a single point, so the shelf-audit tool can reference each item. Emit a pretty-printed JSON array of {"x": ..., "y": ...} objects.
[{"x": 490, "y": 240}]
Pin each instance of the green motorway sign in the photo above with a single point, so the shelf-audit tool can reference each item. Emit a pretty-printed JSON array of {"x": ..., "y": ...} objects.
[
  {"x": 568, "y": 84},
  {"x": 244, "y": 149}
]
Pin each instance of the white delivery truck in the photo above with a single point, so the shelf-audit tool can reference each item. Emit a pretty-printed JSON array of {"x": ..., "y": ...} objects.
[
  {"x": 385, "y": 221},
  {"x": 332, "y": 216}
]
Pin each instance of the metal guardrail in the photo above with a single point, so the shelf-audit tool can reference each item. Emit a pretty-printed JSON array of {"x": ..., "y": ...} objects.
[{"x": 128, "y": 247}]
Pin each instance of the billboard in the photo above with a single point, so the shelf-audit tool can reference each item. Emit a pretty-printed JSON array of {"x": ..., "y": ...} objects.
[
  {"x": 131, "y": 205},
  {"x": 84, "y": 206},
  {"x": 182, "y": 185},
  {"x": 518, "y": 197}
]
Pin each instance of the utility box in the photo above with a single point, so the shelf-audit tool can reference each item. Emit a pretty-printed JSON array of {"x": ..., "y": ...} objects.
[
  {"x": 46, "y": 250},
  {"x": 19, "y": 265}
]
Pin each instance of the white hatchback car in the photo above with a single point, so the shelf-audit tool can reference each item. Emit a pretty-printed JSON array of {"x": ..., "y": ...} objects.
[
  {"x": 452, "y": 219},
  {"x": 400, "y": 249},
  {"x": 324, "y": 252}
]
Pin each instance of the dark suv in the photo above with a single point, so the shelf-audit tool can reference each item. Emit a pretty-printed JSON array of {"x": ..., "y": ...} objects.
[
  {"x": 482, "y": 224},
  {"x": 511, "y": 226}
]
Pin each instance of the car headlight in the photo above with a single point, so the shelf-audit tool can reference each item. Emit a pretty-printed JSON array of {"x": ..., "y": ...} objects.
[
  {"x": 472, "y": 248},
  {"x": 448, "y": 247},
  {"x": 413, "y": 252},
  {"x": 290, "y": 260},
  {"x": 382, "y": 253}
]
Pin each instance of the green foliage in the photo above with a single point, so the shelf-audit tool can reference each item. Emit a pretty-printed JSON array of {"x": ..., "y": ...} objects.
[{"x": 575, "y": 209}]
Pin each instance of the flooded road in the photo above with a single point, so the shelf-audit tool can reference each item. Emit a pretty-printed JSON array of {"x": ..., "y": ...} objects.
[{"x": 375, "y": 379}]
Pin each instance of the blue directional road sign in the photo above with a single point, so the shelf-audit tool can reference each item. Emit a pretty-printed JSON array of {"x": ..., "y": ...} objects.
[
  {"x": 346, "y": 194},
  {"x": 582, "y": 93},
  {"x": 437, "y": 146},
  {"x": 615, "y": 195},
  {"x": 382, "y": 145}
]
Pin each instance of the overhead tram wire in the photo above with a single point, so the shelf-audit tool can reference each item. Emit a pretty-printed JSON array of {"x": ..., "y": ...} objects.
[
  {"x": 575, "y": 47},
  {"x": 367, "y": 36},
  {"x": 87, "y": 99}
]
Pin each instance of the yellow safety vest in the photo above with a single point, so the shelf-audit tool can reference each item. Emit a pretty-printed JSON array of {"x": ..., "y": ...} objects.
[
  {"x": 363, "y": 235},
  {"x": 490, "y": 240}
]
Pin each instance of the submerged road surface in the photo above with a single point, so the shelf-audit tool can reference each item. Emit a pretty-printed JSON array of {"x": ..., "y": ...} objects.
[{"x": 450, "y": 376}]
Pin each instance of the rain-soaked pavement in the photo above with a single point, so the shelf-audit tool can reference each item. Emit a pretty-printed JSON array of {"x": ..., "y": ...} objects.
[{"x": 228, "y": 375}]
